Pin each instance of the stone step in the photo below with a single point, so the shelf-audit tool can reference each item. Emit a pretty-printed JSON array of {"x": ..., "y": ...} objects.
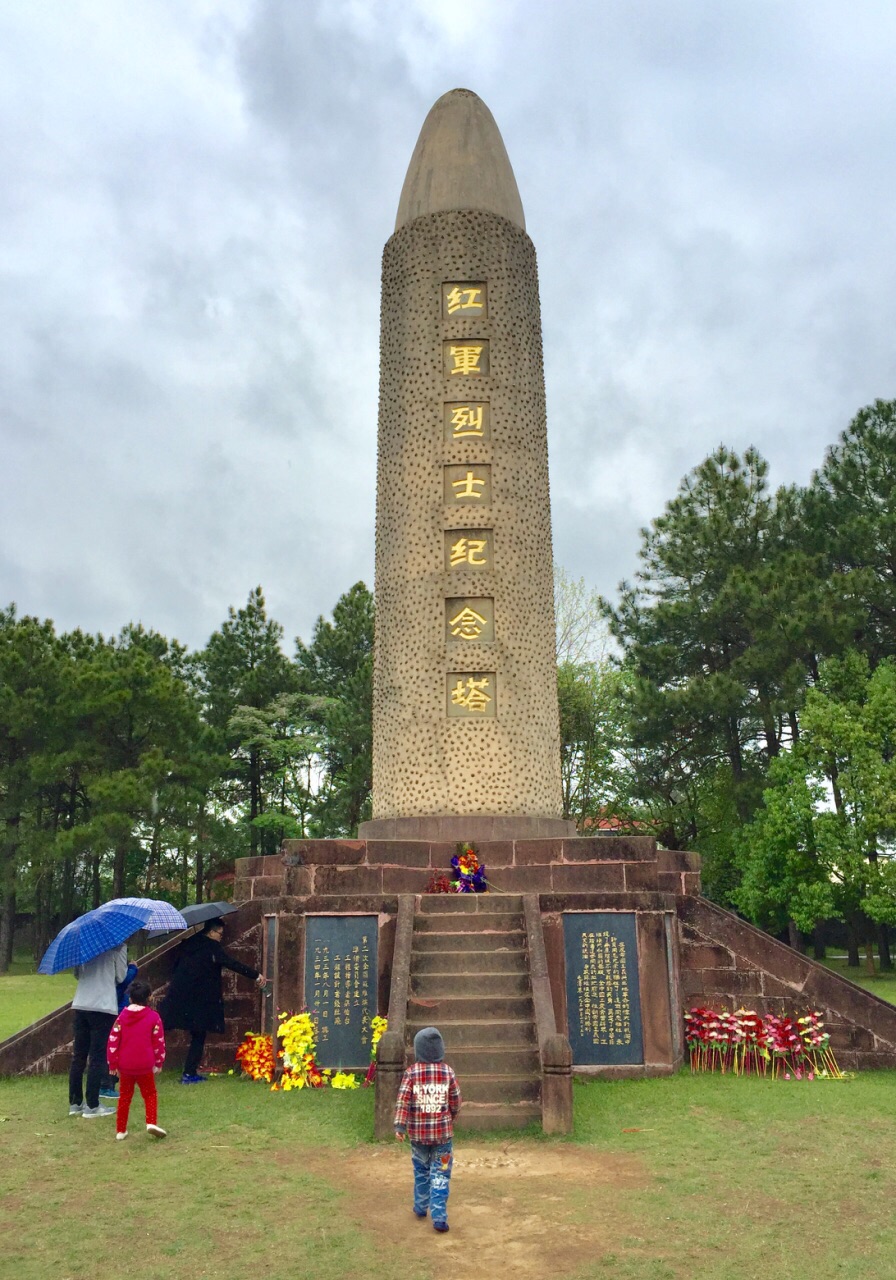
[
  {"x": 496, "y": 1060},
  {"x": 437, "y": 961},
  {"x": 483, "y": 1116},
  {"x": 503, "y": 1089},
  {"x": 478, "y": 1035},
  {"x": 423, "y": 941},
  {"x": 447, "y": 903},
  {"x": 474, "y": 1008},
  {"x": 432, "y": 986},
  {"x": 469, "y": 922}
]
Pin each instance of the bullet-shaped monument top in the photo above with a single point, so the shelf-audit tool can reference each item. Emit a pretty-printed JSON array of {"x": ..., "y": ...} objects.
[
  {"x": 466, "y": 739},
  {"x": 460, "y": 162}
]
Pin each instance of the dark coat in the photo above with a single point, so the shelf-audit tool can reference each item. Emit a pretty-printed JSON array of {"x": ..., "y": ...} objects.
[{"x": 194, "y": 1001}]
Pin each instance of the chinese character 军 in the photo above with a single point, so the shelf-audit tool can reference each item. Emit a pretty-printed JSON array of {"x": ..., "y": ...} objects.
[{"x": 466, "y": 359}]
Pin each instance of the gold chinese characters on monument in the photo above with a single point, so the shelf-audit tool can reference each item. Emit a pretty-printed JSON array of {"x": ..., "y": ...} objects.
[
  {"x": 602, "y": 990},
  {"x": 471, "y": 695},
  {"x": 467, "y": 420},
  {"x": 468, "y": 549},
  {"x": 468, "y": 483},
  {"x": 465, "y": 359},
  {"x": 470, "y": 618},
  {"x": 464, "y": 299}
]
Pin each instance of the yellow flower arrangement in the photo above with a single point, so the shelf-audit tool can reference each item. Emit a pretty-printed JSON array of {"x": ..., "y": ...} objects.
[
  {"x": 377, "y": 1027},
  {"x": 344, "y": 1080}
]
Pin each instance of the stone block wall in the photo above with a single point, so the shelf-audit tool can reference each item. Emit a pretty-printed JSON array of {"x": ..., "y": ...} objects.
[{"x": 583, "y": 864}]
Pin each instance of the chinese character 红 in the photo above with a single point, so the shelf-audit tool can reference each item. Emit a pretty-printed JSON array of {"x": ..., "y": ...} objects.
[{"x": 463, "y": 297}]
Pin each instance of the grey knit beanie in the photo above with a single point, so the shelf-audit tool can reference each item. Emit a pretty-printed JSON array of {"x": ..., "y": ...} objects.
[{"x": 429, "y": 1045}]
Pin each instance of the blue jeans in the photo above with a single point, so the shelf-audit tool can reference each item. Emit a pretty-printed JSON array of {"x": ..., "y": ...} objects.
[{"x": 432, "y": 1163}]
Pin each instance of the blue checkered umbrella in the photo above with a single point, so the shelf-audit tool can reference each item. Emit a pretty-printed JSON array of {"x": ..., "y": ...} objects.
[
  {"x": 88, "y": 937},
  {"x": 157, "y": 914}
]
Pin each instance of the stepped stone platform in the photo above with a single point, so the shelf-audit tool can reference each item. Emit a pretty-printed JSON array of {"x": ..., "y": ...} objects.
[
  {"x": 469, "y": 975},
  {"x": 470, "y": 965}
]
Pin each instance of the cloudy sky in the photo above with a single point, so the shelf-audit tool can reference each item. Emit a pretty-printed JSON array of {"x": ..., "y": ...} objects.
[{"x": 193, "y": 203}]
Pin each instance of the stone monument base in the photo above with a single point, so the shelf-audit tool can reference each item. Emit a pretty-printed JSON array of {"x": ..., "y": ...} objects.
[{"x": 480, "y": 826}]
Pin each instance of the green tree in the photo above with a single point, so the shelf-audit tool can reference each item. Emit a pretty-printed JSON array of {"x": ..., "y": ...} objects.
[
  {"x": 29, "y": 690},
  {"x": 243, "y": 665},
  {"x": 851, "y": 518},
  {"x": 140, "y": 727},
  {"x": 336, "y": 670},
  {"x": 720, "y": 633},
  {"x": 822, "y": 844}
]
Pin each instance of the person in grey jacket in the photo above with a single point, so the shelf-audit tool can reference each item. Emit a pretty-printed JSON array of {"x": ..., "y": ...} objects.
[{"x": 94, "y": 1010}]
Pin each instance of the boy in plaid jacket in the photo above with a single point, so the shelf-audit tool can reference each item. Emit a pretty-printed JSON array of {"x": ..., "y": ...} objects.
[{"x": 428, "y": 1101}]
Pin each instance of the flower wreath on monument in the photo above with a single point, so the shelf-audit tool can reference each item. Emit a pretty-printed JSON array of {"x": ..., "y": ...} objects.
[
  {"x": 468, "y": 870},
  {"x": 468, "y": 873}
]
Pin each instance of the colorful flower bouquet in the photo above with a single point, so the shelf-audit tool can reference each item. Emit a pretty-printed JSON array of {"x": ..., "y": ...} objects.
[
  {"x": 297, "y": 1035},
  {"x": 745, "y": 1043},
  {"x": 468, "y": 870}
]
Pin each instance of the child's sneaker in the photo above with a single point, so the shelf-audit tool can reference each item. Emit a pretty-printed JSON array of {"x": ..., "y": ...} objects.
[
  {"x": 76, "y": 1108},
  {"x": 440, "y": 1226},
  {"x": 120, "y": 1137},
  {"x": 109, "y": 1093},
  {"x": 197, "y": 1079},
  {"x": 90, "y": 1113},
  {"x": 155, "y": 1131},
  {"x": 419, "y": 1213}
]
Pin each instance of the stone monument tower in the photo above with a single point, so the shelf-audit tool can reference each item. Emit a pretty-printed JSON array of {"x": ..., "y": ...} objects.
[{"x": 466, "y": 737}]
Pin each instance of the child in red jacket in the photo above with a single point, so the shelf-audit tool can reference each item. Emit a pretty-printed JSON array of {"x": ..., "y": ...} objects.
[{"x": 136, "y": 1051}]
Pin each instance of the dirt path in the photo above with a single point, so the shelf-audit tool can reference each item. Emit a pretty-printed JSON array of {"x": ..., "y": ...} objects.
[{"x": 518, "y": 1210}]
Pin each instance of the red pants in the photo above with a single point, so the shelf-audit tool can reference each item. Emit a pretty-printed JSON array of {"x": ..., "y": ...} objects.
[{"x": 147, "y": 1085}]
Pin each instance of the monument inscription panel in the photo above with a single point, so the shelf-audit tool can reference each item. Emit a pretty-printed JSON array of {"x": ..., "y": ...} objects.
[
  {"x": 603, "y": 996},
  {"x": 340, "y": 986}
]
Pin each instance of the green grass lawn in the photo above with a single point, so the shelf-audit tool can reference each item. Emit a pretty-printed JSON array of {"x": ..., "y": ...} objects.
[
  {"x": 881, "y": 984},
  {"x": 26, "y": 995},
  {"x": 709, "y": 1178}
]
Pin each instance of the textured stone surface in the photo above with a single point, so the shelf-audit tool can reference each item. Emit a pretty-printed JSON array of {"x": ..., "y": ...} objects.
[
  {"x": 425, "y": 762},
  {"x": 440, "y": 175}
]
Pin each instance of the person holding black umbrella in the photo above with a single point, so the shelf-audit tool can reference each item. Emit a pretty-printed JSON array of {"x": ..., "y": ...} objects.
[{"x": 195, "y": 1001}]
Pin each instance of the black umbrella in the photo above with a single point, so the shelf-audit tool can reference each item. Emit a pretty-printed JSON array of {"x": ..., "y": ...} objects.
[
  {"x": 199, "y": 913},
  {"x": 202, "y": 911}
]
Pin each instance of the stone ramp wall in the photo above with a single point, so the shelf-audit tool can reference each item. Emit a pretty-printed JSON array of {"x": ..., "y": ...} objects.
[
  {"x": 728, "y": 964},
  {"x": 46, "y": 1046}
]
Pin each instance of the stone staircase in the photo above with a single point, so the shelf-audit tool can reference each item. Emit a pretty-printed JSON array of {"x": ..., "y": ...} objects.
[{"x": 469, "y": 976}]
